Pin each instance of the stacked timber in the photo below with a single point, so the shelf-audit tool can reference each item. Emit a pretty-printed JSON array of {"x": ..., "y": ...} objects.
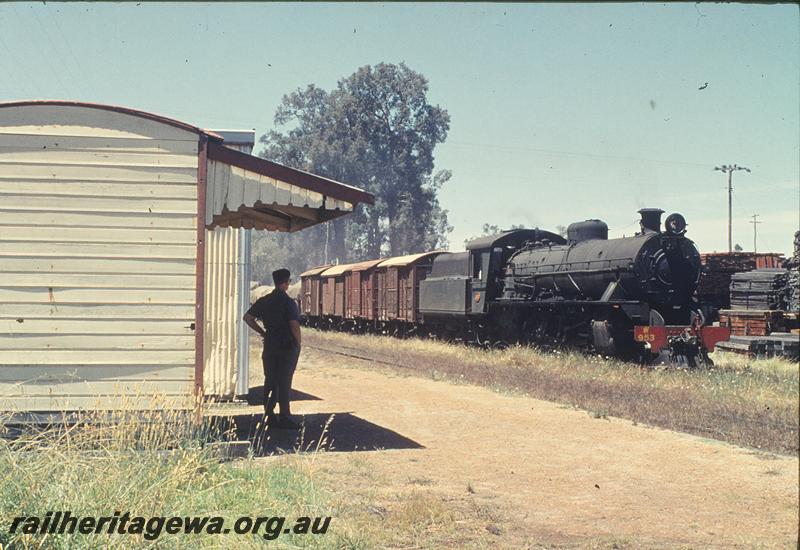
[
  {"x": 793, "y": 292},
  {"x": 751, "y": 322},
  {"x": 762, "y": 289},
  {"x": 717, "y": 269},
  {"x": 762, "y": 347},
  {"x": 764, "y": 302}
]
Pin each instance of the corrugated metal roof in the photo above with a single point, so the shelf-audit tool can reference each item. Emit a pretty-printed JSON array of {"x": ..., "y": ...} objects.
[
  {"x": 410, "y": 259},
  {"x": 315, "y": 270},
  {"x": 117, "y": 109},
  {"x": 337, "y": 270},
  {"x": 246, "y": 191},
  {"x": 306, "y": 180},
  {"x": 363, "y": 266}
]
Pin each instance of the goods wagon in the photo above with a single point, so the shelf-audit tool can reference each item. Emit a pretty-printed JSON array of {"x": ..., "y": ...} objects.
[
  {"x": 361, "y": 300},
  {"x": 311, "y": 292}
]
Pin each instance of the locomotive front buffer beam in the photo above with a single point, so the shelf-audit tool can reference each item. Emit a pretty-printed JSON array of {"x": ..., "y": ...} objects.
[{"x": 660, "y": 337}]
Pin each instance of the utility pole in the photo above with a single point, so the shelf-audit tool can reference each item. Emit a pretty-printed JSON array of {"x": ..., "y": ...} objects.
[
  {"x": 729, "y": 169},
  {"x": 755, "y": 222}
]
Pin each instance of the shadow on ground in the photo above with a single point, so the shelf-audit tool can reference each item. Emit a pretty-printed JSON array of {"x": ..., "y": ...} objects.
[
  {"x": 337, "y": 432},
  {"x": 255, "y": 396}
]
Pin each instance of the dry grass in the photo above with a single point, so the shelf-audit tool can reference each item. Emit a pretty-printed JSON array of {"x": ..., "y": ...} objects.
[
  {"x": 753, "y": 403},
  {"x": 157, "y": 464},
  {"x": 391, "y": 513},
  {"x": 161, "y": 464}
]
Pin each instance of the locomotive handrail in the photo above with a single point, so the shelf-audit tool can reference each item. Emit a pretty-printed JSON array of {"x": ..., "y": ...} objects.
[
  {"x": 527, "y": 303},
  {"x": 568, "y": 271}
]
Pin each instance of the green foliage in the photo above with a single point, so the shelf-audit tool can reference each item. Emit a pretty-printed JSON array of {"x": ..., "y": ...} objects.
[
  {"x": 294, "y": 251},
  {"x": 378, "y": 131},
  {"x": 492, "y": 229}
]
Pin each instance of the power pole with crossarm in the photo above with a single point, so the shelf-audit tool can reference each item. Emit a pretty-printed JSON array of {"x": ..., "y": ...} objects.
[
  {"x": 729, "y": 169},
  {"x": 755, "y": 222}
]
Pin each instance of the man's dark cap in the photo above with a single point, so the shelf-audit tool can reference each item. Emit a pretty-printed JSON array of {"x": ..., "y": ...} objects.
[{"x": 280, "y": 276}]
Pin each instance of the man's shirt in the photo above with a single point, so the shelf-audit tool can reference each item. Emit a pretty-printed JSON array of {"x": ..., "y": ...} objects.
[{"x": 275, "y": 310}]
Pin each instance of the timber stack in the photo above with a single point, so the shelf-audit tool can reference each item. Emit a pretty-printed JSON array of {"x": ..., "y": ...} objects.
[
  {"x": 718, "y": 268},
  {"x": 763, "y": 314},
  {"x": 793, "y": 265},
  {"x": 764, "y": 289}
]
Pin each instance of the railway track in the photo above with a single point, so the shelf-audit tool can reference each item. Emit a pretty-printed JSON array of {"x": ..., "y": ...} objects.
[{"x": 348, "y": 351}]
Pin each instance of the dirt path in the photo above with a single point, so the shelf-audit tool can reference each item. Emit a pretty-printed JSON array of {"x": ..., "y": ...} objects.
[{"x": 554, "y": 476}]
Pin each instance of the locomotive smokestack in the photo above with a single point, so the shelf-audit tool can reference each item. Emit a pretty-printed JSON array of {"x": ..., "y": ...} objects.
[{"x": 651, "y": 219}]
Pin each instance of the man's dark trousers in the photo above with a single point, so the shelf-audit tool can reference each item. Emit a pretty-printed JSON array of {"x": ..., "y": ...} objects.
[{"x": 279, "y": 366}]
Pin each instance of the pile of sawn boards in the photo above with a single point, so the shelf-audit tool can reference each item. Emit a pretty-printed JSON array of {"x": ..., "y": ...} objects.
[
  {"x": 762, "y": 289},
  {"x": 774, "y": 345},
  {"x": 793, "y": 293},
  {"x": 715, "y": 279},
  {"x": 752, "y": 322},
  {"x": 793, "y": 298}
]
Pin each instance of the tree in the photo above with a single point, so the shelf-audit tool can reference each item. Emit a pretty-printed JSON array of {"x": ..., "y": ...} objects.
[
  {"x": 491, "y": 229},
  {"x": 273, "y": 250},
  {"x": 378, "y": 131}
]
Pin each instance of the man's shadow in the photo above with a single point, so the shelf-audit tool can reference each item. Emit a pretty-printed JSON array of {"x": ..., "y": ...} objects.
[
  {"x": 337, "y": 432},
  {"x": 255, "y": 396}
]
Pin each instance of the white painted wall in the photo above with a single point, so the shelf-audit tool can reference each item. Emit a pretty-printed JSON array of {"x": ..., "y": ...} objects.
[{"x": 97, "y": 259}]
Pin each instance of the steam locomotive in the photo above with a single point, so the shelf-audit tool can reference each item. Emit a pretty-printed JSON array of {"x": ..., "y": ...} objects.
[{"x": 630, "y": 297}]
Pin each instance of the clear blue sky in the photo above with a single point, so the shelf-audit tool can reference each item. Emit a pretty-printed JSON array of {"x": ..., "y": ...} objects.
[{"x": 560, "y": 112}]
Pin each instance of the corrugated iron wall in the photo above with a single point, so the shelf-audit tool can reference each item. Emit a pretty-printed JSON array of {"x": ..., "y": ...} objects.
[
  {"x": 228, "y": 271},
  {"x": 97, "y": 259},
  {"x": 244, "y": 274},
  {"x": 223, "y": 292}
]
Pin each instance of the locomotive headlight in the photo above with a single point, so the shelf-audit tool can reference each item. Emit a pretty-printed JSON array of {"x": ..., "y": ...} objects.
[{"x": 675, "y": 225}]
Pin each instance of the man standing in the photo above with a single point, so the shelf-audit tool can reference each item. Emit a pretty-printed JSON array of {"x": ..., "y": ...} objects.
[{"x": 281, "y": 319}]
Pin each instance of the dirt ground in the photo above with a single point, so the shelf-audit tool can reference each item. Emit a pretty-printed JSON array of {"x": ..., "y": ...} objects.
[{"x": 540, "y": 474}]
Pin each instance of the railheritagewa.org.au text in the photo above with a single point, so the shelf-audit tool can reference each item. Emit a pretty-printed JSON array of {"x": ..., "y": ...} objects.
[{"x": 151, "y": 528}]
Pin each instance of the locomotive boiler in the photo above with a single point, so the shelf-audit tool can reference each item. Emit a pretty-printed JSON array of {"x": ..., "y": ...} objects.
[{"x": 661, "y": 268}]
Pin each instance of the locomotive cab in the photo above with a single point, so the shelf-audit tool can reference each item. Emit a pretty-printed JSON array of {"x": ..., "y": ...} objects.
[{"x": 488, "y": 258}]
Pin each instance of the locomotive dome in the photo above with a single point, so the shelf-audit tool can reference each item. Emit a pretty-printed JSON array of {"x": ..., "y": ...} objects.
[{"x": 587, "y": 230}]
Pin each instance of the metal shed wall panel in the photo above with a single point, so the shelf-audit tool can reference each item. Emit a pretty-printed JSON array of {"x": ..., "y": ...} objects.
[
  {"x": 240, "y": 140},
  {"x": 223, "y": 291},
  {"x": 97, "y": 252}
]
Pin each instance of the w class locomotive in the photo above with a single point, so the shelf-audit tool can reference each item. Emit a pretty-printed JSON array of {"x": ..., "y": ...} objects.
[{"x": 630, "y": 297}]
